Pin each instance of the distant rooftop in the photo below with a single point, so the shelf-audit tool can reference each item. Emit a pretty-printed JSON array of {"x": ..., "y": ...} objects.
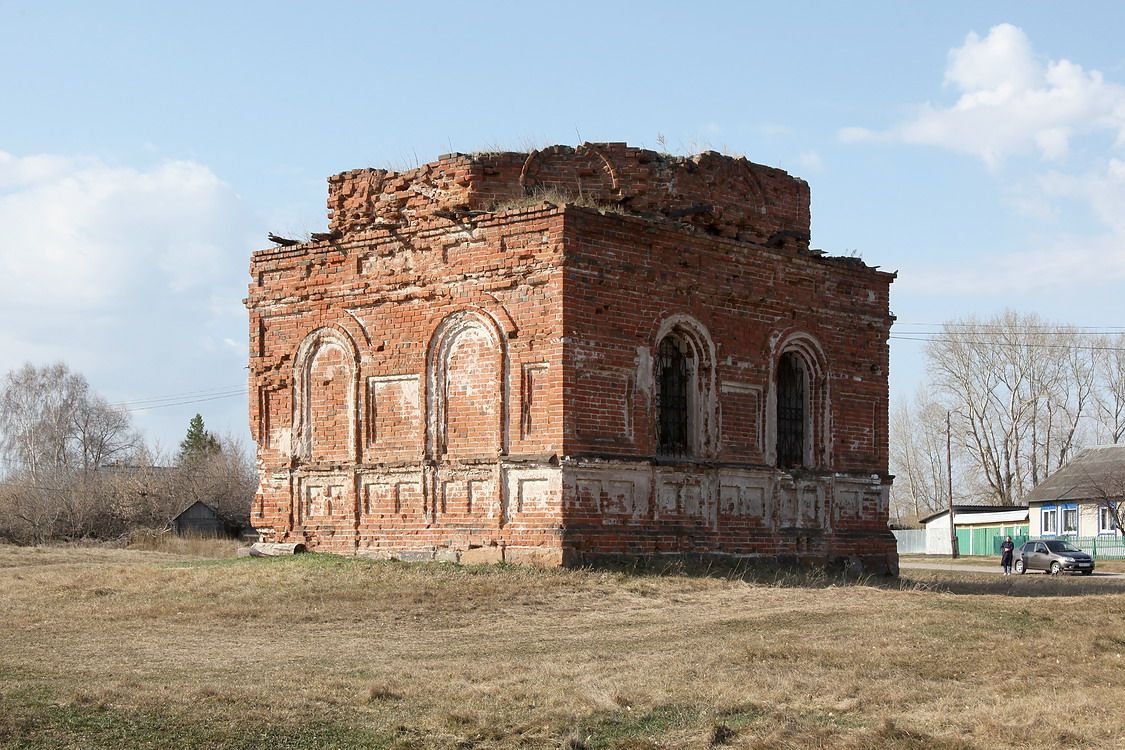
[
  {"x": 1095, "y": 473},
  {"x": 975, "y": 510}
]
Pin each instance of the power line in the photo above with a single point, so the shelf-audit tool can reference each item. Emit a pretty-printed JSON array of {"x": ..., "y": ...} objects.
[
  {"x": 1020, "y": 325},
  {"x": 1008, "y": 332},
  {"x": 177, "y": 396},
  {"x": 218, "y": 397},
  {"x": 1060, "y": 328},
  {"x": 939, "y": 339},
  {"x": 1011, "y": 332}
]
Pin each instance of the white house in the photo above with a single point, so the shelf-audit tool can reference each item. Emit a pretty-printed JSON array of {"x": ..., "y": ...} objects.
[{"x": 1079, "y": 499}]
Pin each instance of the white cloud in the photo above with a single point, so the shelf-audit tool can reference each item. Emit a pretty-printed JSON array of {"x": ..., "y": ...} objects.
[
  {"x": 1015, "y": 106},
  {"x": 1065, "y": 261},
  {"x": 81, "y": 233},
  {"x": 1010, "y": 102},
  {"x": 1064, "y": 265},
  {"x": 1001, "y": 62},
  {"x": 1103, "y": 191},
  {"x": 125, "y": 273},
  {"x": 811, "y": 160}
]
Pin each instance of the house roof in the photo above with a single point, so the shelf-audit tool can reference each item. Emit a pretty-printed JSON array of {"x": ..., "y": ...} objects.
[
  {"x": 1094, "y": 474},
  {"x": 973, "y": 511},
  {"x": 192, "y": 504}
]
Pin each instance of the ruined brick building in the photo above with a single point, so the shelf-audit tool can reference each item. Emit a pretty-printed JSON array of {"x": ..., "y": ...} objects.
[{"x": 568, "y": 354}]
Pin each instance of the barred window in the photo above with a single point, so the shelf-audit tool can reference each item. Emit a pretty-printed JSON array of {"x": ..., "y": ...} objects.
[
  {"x": 791, "y": 408},
  {"x": 673, "y": 405}
]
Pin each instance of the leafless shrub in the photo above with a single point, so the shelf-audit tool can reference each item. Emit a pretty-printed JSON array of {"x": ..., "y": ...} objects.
[{"x": 76, "y": 469}]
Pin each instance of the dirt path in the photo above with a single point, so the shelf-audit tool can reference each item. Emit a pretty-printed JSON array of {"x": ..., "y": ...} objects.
[{"x": 955, "y": 567}]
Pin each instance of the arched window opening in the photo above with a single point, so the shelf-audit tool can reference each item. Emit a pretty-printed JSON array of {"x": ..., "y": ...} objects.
[
  {"x": 792, "y": 406},
  {"x": 674, "y": 405}
]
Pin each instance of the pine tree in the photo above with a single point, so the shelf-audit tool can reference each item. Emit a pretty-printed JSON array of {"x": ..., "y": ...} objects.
[{"x": 198, "y": 443}]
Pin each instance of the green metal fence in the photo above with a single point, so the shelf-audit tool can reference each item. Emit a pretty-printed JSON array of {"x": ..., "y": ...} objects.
[
  {"x": 1100, "y": 547},
  {"x": 987, "y": 541}
]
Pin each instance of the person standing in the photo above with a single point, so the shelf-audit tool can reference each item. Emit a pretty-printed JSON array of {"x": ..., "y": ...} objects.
[{"x": 1006, "y": 549}]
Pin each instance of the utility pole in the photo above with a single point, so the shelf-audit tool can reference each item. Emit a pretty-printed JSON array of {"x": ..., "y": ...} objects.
[{"x": 949, "y": 475}]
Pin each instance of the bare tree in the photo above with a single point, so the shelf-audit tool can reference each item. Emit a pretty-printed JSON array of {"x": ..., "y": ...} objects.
[
  {"x": 1021, "y": 392},
  {"x": 56, "y": 435},
  {"x": 1109, "y": 391},
  {"x": 918, "y": 457},
  {"x": 51, "y": 419}
]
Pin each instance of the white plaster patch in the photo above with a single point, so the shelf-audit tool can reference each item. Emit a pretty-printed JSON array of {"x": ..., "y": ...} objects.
[
  {"x": 534, "y": 491},
  {"x": 692, "y": 499},
  {"x": 809, "y": 507},
  {"x": 323, "y": 498},
  {"x": 282, "y": 440},
  {"x": 644, "y": 376},
  {"x": 379, "y": 498},
  {"x": 743, "y": 500},
  {"x": 481, "y": 493},
  {"x": 532, "y": 494},
  {"x": 613, "y": 489},
  {"x": 847, "y": 504},
  {"x": 669, "y": 498},
  {"x": 620, "y": 497},
  {"x": 588, "y": 493}
]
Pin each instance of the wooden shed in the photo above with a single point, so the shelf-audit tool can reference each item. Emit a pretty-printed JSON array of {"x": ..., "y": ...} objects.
[{"x": 200, "y": 519}]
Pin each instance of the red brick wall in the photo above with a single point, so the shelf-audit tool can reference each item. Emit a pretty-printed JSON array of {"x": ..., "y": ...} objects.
[
  {"x": 624, "y": 276},
  {"x": 330, "y": 380},
  {"x": 387, "y": 295}
]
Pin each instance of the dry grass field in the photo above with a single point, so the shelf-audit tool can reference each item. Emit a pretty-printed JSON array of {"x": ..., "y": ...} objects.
[{"x": 104, "y": 648}]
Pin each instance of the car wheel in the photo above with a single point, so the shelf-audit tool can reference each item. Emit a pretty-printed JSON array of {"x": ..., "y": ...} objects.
[
  {"x": 1056, "y": 568},
  {"x": 1020, "y": 568}
]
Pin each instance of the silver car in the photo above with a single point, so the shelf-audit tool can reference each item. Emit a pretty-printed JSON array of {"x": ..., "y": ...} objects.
[{"x": 1053, "y": 556}]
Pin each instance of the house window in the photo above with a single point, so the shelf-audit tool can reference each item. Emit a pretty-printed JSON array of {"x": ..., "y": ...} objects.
[
  {"x": 673, "y": 404},
  {"x": 791, "y": 409},
  {"x": 1070, "y": 521},
  {"x": 1050, "y": 521},
  {"x": 1107, "y": 524}
]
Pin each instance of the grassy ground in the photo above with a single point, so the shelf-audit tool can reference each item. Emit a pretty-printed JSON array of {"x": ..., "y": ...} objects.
[{"x": 105, "y": 648}]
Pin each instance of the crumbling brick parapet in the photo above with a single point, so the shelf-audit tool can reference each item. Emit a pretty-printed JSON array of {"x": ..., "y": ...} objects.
[{"x": 721, "y": 195}]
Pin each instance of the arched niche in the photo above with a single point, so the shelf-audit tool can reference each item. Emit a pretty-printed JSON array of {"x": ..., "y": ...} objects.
[
  {"x": 466, "y": 393},
  {"x": 325, "y": 387}
]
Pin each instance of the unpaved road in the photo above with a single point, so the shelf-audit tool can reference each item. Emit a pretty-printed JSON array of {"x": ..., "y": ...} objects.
[{"x": 996, "y": 569}]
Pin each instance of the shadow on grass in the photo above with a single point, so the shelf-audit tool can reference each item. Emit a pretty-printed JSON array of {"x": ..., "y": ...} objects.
[
  {"x": 773, "y": 574},
  {"x": 1018, "y": 586},
  {"x": 765, "y": 572}
]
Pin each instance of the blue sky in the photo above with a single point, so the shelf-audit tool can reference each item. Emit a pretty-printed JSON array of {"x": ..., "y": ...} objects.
[{"x": 147, "y": 148}]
